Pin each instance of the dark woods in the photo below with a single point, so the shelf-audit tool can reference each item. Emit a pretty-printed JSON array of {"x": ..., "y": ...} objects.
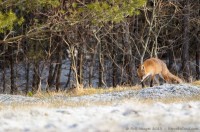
[{"x": 62, "y": 44}]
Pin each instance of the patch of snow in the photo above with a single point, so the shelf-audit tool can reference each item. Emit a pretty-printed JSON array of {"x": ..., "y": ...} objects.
[
  {"x": 168, "y": 91},
  {"x": 120, "y": 115}
]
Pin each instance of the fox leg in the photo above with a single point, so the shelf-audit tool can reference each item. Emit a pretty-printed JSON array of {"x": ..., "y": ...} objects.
[
  {"x": 157, "y": 79},
  {"x": 151, "y": 82},
  {"x": 142, "y": 84},
  {"x": 162, "y": 79},
  {"x": 143, "y": 78}
]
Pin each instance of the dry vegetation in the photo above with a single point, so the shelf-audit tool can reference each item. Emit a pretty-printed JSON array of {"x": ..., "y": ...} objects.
[
  {"x": 60, "y": 102},
  {"x": 86, "y": 91},
  {"x": 52, "y": 102},
  {"x": 91, "y": 91},
  {"x": 196, "y": 83},
  {"x": 172, "y": 100}
]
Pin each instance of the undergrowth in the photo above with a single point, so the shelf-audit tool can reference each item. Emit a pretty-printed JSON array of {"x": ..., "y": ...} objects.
[{"x": 85, "y": 91}]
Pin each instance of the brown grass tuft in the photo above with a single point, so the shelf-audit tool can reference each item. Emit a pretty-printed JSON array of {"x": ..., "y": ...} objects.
[
  {"x": 85, "y": 91},
  {"x": 171, "y": 100},
  {"x": 90, "y": 91},
  {"x": 196, "y": 83}
]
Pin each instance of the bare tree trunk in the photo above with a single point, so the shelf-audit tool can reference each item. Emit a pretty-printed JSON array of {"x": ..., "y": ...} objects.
[
  {"x": 73, "y": 59},
  {"x": 26, "y": 45},
  {"x": 185, "y": 47},
  {"x": 170, "y": 58},
  {"x": 4, "y": 74},
  {"x": 50, "y": 76},
  {"x": 101, "y": 62},
  {"x": 12, "y": 77},
  {"x": 51, "y": 67},
  {"x": 90, "y": 74},
  {"x": 128, "y": 54},
  {"x": 197, "y": 49},
  {"x": 197, "y": 59},
  {"x": 100, "y": 66},
  {"x": 58, "y": 77},
  {"x": 36, "y": 78},
  {"x": 54, "y": 74},
  {"x": 36, "y": 74},
  {"x": 27, "y": 76},
  {"x": 73, "y": 52},
  {"x": 59, "y": 63},
  {"x": 150, "y": 22},
  {"x": 92, "y": 64},
  {"x": 12, "y": 73},
  {"x": 69, "y": 76},
  {"x": 80, "y": 65},
  {"x": 114, "y": 70},
  {"x": 81, "y": 54}
]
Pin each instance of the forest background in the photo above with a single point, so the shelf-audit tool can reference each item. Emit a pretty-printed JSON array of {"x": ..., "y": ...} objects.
[{"x": 59, "y": 44}]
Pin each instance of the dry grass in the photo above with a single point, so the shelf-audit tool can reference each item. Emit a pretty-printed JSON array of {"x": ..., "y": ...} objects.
[
  {"x": 86, "y": 91},
  {"x": 51, "y": 104},
  {"x": 196, "y": 83},
  {"x": 55, "y": 103},
  {"x": 90, "y": 91},
  {"x": 171, "y": 100},
  {"x": 60, "y": 103}
]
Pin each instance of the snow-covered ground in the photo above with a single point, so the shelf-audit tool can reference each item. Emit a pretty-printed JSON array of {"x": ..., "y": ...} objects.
[{"x": 119, "y": 111}]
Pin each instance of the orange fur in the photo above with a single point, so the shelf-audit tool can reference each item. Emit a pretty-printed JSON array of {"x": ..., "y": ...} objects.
[{"x": 154, "y": 66}]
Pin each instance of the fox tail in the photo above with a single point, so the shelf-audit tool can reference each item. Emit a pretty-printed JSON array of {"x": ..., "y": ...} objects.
[{"x": 174, "y": 78}]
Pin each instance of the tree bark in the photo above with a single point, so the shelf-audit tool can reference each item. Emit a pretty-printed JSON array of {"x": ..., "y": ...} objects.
[
  {"x": 92, "y": 65},
  {"x": 101, "y": 62},
  {"x": 80, "y": 65},
  {"x": 185, "y": 47},
  {"x": 36, "y": 74},
  {"x": 170, "y": 58},
  {"x": 59, "y": 63},
  {"x": 36, "y": 78},
  {"x": 128, "y": 54},
  {"x": 197, "y": 49},
  {"x": 81, "y": 54},
  {"x": 197, "y": 59},
  {"x": 27, "y": 76},
  {"x": 12, "y": 73},
  {"x": 50, "y": 76},
  {"x": 100, "y": 67},
  {"x": 4, "y": 74},
  {"x": 114, "y": 70},
  {"x": 69, "y": 75}
]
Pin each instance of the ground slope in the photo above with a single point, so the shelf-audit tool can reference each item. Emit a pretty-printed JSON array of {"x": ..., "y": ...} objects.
[{"x": 141, "y": 110}]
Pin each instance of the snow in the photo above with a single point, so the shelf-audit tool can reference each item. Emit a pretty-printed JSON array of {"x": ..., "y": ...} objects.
[
  {"x": 169, "y": 90},
  {"x": 123, "y": 112},
  {"x": 120, "y": 117}
]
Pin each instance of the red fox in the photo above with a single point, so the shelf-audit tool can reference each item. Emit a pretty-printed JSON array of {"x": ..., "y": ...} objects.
[{"x": 154, "y": 66}]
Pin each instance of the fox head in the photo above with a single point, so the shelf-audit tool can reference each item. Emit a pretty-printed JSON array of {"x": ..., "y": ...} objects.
[{"x": 141, "y": 71}]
